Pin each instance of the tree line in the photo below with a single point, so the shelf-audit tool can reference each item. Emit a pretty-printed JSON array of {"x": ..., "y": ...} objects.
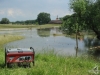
[
  {"x": 27, "y": 22},
  {"x": 86, "y": 16},
  {"x": 42, "y": 18}
]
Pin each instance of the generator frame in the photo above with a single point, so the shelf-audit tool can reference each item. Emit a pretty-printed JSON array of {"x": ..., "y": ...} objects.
[{"x": 20, "y": 57}]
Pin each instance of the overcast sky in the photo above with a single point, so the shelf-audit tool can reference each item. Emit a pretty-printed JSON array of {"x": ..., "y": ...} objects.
[{"x": 29, "y": 9}]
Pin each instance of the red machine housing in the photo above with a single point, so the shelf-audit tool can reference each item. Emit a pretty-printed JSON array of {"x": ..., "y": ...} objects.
[{"x": 19, "y": 56}]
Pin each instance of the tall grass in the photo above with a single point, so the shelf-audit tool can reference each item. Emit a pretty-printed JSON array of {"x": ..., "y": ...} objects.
[
  {"x": 48, "y": 63},
  {"x": 8, "y": 38}
]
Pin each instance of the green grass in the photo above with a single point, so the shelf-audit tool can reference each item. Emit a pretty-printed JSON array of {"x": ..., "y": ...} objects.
[
  {"x": 8, "y": 38},
  {"x": 48, "y": 63},
  {"x": 29, "y": 26}
]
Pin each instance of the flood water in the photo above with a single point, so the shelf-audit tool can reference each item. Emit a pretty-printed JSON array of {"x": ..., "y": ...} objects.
[{"x": 44, "y": 39}]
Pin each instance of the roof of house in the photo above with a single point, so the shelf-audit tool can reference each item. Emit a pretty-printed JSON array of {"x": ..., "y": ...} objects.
[{"x": 55, "y": 22}]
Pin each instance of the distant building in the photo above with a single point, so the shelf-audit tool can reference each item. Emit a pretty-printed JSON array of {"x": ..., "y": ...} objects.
[{"x": 57, "y": 21}]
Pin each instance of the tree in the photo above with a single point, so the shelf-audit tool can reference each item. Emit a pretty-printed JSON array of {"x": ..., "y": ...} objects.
[
  {"x": 87, "y": 13},
  {"x": 5, "y": 21},
  {"x": 27, "y": 22},
  {"x": 92, "y": 17},
  {"x": 79, "y": 7},
  {"x": 43, "y": 18},
  {"x": 68, "y": 24},
  {"x": 30, "y": 21}
]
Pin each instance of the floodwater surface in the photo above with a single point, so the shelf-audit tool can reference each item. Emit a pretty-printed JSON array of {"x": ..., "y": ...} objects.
[{"x": 45, "y": 39}]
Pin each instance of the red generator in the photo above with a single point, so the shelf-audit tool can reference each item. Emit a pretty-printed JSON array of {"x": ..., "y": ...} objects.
[{"x": 19, "y": 56}]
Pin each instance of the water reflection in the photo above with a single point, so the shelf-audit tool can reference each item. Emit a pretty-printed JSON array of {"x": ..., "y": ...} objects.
[
  {"x": 93, "y": 46},
  {"x": 43, "y": 32},
  {"x": 91, "y": 43}
]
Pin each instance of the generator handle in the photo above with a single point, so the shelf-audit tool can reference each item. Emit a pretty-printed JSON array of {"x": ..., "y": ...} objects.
[
  {"x": 34, "y": 55},
  {"x": 32, "y": 48}
]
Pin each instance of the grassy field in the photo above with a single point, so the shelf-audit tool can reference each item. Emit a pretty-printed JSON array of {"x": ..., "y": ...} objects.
[{"x": 28, "y": 26}]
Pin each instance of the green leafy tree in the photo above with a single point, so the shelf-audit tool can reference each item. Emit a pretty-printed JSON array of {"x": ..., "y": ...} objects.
[
  {"x": 68, "y": 24},
  {"x": 75, "y": 21},
  {"x": 79, "y": 7},
  {"x": 92, "y": 17},
  {"x": 5, "y": 21},
  {"x": 43, "y": 18},
  {"x": 87, "y": 13}
]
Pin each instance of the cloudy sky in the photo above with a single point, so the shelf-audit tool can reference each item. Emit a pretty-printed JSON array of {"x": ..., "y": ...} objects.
[{"x": 29, "y": 9}]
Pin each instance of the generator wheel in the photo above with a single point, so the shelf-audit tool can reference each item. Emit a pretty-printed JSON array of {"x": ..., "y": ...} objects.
[
  {"x": 8, "y": 65},
  {"x": 33, "y": 63},
  {"x": 29, "y": 65}
]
